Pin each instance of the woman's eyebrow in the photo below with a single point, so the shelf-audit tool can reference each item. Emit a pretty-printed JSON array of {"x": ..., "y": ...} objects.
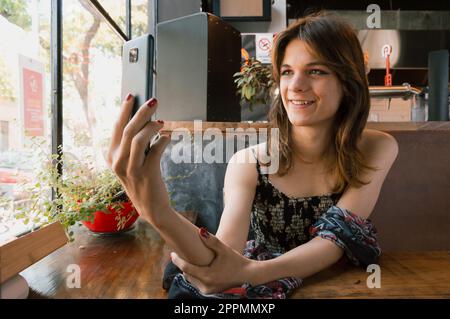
[
  {"x": 317, "y": 63},
  {"x": 314, "y": 63}
]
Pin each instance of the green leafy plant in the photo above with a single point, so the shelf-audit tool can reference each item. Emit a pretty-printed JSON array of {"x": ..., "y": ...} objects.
[
  {"x": 254, "y": 83},
  {"x": 82, "y": 190}
]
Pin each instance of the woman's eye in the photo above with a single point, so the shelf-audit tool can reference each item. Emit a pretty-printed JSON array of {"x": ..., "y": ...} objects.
[
  {"x": 286, "y": 72},
  {"x": 317, "y": 72}
]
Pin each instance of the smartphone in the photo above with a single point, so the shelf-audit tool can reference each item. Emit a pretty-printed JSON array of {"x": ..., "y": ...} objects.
[{"x": 137, "y": 70}]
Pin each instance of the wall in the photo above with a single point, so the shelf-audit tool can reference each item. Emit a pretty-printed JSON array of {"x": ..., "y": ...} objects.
[
  {"x": 401, "y": 20},
  {"x": 277, "y": 24}
]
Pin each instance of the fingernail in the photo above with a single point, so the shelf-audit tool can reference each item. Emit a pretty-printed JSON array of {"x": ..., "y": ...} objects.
[
  {"x": 129, "y": 96},
  {"x": 204, "y": 233},
  {"x": 160, "y": 121},
  {"x": 152, "y": 102}
]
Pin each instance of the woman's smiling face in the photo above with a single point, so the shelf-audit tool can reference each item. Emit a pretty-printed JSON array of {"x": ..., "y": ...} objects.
[{"x": 310, "y": 91}]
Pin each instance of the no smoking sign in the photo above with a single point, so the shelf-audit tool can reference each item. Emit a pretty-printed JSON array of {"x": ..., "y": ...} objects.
[{"x": 264, "y": 42}]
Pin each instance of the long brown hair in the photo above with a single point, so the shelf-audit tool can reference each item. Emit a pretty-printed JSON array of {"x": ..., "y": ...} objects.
[{"x": 334, "y": 41}]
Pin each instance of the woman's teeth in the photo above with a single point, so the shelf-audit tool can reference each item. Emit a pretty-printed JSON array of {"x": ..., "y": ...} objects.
[{"x": 301, "y": 102}]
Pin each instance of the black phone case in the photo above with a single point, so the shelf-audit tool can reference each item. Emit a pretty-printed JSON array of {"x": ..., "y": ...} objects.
[{"x": 137, "y": 69}]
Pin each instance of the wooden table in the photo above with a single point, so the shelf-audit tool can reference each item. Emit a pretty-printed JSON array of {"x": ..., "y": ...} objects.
[{"x": 130, "y": 265}]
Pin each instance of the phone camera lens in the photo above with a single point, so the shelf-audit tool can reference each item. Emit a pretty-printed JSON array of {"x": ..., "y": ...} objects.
[{"x": 134, "y": 55}]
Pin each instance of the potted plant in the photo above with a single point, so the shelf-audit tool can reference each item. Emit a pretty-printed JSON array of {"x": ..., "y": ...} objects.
[
  {"x": 254, "y": 83},
  {"x": 85, "y": 194}
]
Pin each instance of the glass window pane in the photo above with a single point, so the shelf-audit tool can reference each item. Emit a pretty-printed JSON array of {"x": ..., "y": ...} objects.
[
  {"x": 139, "y": 17},
  {"x": 91, "y": 80},
  {"x": 25, "y": 130},
  {"x": 116, "y": 10}
]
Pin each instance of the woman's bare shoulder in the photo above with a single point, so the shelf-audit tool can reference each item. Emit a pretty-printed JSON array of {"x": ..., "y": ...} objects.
[
  {"x": 248, "y": 155},
  {"x": 242, "y": 165},
  {"x": 375, "y": 143}
]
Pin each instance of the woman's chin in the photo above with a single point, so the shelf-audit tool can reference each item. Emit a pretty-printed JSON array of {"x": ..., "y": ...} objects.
[{"x": 299, "y": 121}]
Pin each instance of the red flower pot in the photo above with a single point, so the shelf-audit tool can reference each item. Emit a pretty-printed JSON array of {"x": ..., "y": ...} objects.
[{"x": 116, "y": 221}]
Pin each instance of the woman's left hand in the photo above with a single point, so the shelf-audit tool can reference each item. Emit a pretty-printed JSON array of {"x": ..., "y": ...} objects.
[{"x": 228, "y": 269}]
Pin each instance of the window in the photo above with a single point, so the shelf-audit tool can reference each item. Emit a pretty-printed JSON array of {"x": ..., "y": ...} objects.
[
  {"x": 139, "y": 17},
  {"x": 4, "y": 136},
  {"x": 91, "y": 79},
  {"x": 24, "y": 101},
  {"x": 91, "y": 89},
  {"x": 116, "y": 10}
]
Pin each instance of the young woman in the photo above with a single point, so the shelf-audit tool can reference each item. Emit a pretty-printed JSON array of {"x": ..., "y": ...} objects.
[{"x": 329, "y": 164}]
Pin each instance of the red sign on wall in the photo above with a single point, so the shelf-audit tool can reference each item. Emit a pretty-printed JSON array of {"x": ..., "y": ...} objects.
[{"x": 33, "y": 102}]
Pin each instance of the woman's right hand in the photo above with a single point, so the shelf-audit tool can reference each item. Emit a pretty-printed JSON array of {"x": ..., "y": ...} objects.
[{"x": 138, "y": 171}]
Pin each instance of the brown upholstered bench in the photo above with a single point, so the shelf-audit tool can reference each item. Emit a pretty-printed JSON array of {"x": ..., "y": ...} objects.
[{"x": 413, "y": 210}]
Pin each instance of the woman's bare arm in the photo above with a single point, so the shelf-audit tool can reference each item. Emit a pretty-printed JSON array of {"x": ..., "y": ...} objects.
[{"x": 239, "y": 190}]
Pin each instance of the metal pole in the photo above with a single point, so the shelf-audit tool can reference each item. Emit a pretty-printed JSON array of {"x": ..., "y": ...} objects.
[
  {"x": 438, "y": 84},
  {"x": 128, "y": 19},
  {"x": 56, "y": 83}
]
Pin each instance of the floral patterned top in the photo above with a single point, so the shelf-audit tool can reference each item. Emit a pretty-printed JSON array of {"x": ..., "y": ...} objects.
[{"x": 281, "y": 222}]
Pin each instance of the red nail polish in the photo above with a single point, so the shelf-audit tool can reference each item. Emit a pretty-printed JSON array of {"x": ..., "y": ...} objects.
[
  {"x": 160, "y": 121},
  {"x": 129, "y": 96},
  {"x": 152, "y": 103},
  {"x": 203, "y": 232}
]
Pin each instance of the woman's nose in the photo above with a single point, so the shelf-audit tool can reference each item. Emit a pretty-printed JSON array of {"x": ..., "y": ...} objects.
[{"x": 299, "y": 82}]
